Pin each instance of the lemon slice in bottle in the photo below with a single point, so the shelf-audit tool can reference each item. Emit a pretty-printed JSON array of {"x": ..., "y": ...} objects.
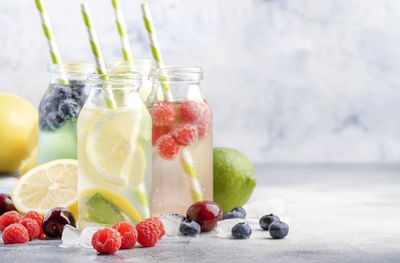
[
  {"x": 113, "y": 148},
  {"x": 106, "y": 207},
  {"x": 53, "y": 184}
]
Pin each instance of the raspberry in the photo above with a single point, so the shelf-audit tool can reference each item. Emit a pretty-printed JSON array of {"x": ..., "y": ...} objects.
[
  {"x": 192, "y": 111},
  {"x": 106, "y": 240},
  {"x": 185, "y": 134},
  {"x": 204, "y": 127},
  {"x": 15, "y": 233},
  {"x": 147, "y": 233},
  {"x": 167, "y": 147},
  {"x": 128, "y": 234},
  {"x": 159, "y": 131},
  {"x": 163, "y": 114},
  {"x": 159, "y": 225},
  {"x": 39, "y": 219},
  {"x": 32, "y": 227},
  {"x": 9, "y": 218}
]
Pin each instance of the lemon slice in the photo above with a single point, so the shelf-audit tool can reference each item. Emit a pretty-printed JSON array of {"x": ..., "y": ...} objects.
[
  {"x": 113, "y": 149},
  {"x": 53, "y": 184},
  {"x": 104, "y": 206}
]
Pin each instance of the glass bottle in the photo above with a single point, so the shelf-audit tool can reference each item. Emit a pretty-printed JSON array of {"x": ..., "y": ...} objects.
[
  {"x": 182, "y": 140},
  {"x": 114, "y": 153},
  {"x": 139, "y": 65},
  {"x": 59, "y": 109}
]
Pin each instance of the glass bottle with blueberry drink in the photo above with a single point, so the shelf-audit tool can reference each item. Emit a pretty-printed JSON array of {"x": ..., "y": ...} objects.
[
  {"x": 59, "y": 109},
  {"x": 182, "y": 140}
]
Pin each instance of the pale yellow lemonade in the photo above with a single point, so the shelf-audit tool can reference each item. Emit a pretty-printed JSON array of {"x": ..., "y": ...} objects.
[{"x": 114, "y": 156}]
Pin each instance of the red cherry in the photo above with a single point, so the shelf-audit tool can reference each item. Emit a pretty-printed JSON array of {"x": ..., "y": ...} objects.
[
  {"x": 6, "y": 204},
  {"x": 206, "y": 214}
]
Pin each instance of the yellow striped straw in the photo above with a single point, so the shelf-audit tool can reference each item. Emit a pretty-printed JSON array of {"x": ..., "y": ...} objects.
[{"x": 186, "y": 158}]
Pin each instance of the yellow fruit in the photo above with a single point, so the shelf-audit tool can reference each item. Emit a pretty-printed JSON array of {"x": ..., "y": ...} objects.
[
  {"x": 53, "y": 184},
  {"x": 113, "y": 150},
  {"x": 18, "y": 131},
  {"x": 30, "y": 162},
  {"x": 122, "y": 203}
]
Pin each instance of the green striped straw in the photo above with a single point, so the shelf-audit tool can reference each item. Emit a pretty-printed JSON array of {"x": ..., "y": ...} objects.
[
  {"x": 48, "y": 33},
  {"x": 95, "y": 47},
  {"x": 120, "y": 22},
  {"x": 186, "y": 158},
  {"x": 140, "y": 192},
  {"x": 155, "y": 46}
]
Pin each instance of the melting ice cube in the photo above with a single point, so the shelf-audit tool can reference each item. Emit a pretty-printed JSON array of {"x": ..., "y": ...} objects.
[
  {"x": 70, "y": 236},
  {"x": 171, "y": 224},
  {"x": 224, "y": 227},
  {"x": 86, "y": 236}
]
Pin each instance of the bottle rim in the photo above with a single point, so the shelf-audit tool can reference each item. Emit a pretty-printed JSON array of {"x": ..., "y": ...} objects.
[
  {"x": 72, "y": 67},
  {"x": 173, "y": 73},
  {"x": 127, "y": 80}
]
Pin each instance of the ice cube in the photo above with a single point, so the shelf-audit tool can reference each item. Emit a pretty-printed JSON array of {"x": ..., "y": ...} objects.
[
  {"x": 70, "y": 236},
  {"x": 257, "y": 209},
  {"x": 171, "y": 224},
  {"x": 86, "y": 236},
  {"x": 224, "y": 227}
]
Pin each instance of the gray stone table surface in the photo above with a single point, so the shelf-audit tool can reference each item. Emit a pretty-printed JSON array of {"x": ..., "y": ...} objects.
[{"x": 336, "y": 213}]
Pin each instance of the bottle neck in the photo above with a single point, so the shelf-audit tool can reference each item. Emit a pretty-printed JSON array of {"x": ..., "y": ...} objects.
[{"x": 78, "y": 71}]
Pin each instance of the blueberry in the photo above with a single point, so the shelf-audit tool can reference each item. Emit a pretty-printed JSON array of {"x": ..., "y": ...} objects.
[
  {"x": 237, "y": 212},
  {"x": 278, "y": 230},
  {"x": 189, "y": 228},
  {"x": 62, "y": 92},
  {"x": 79, "y": 91},
  {"x": 266, "y": 220},
  {"x": 68, "y": 109},
  {"x": 50, "y": 121},
  {"x": 233, "y": 214},
  {"x": 240, "y": 210},
  {"x": 241, "y": 231}
]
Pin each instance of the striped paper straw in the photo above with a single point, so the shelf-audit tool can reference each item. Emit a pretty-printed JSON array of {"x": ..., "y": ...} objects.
[
  {"x": 120, "y": 22},
  {"x": 94, "y": 45},
  {"x": 140, "y": 191},
  {"x": 186, "y": 158},
  {"x": 48, "y": 32},
  {"x": 154, "y": 46}
]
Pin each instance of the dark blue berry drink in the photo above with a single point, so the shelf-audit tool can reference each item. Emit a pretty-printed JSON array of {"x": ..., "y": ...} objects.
[{"x": 59, "y": 110}]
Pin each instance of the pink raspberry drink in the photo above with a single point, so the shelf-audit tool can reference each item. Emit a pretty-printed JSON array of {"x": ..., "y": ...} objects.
[{"x": 182, "y": 140}]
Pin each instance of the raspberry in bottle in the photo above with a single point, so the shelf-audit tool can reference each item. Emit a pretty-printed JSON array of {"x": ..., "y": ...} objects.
[{"x": 182, "y": 140}]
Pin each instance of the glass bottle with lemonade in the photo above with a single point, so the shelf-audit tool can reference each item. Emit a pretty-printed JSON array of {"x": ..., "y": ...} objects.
[{"x": 114, "y": 153}]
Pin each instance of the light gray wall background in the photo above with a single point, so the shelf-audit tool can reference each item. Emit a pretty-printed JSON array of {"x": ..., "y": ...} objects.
[{"x": 289, "y": 81}]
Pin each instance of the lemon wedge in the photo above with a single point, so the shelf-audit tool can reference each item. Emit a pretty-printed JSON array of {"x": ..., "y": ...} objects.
[
  {"x": 107, "y": 207},
  {"x": 53, "y": 184}
]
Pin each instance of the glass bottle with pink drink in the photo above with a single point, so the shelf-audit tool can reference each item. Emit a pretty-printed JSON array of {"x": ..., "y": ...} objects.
[{"x": 182, "y": 140}]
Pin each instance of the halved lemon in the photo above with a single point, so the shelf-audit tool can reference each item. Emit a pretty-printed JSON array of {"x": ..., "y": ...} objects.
[
  {"x": 53, "y": 184},
  {"x": 107, "y": 207},
  {"x": 114, "y": 150}
]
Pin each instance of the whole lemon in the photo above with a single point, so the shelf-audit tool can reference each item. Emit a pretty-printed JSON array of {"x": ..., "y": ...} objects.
[
  {"x": 18, "y": 131},
  {"x": 234, "y": 178}
]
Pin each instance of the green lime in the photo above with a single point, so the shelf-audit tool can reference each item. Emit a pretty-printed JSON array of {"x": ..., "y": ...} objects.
[
  {"x": 103, "y": 211},
  {"x": 234, "y": 178}
]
